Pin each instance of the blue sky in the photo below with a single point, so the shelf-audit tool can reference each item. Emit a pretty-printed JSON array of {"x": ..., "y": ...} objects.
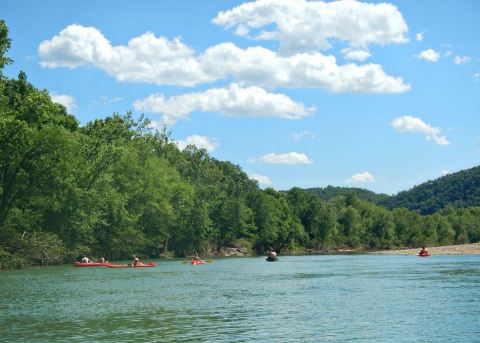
[{"x": 376, "y": 95}]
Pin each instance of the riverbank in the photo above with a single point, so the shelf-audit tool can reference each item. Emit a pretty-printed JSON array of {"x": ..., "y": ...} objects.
[{"x": 462, "y": 249}]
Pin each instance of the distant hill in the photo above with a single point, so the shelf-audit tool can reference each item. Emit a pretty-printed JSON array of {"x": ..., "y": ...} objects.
[
  {"x": 460, "y": 189},
  {"x": 330, "y": 192}
]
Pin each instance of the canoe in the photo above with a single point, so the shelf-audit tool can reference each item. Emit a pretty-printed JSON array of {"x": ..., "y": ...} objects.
[
  {"x": 92, "y": 264},
  {"x": 195, "y": 262},
  {"x": 271, "y": 259},
  {"x": 138, "y": 265}
]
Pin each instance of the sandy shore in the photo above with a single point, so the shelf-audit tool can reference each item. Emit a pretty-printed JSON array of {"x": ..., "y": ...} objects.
[{"x": 463, "y": 249}]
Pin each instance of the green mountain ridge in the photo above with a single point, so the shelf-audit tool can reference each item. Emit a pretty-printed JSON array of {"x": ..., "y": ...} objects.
[{"x": 460, "y": 189}]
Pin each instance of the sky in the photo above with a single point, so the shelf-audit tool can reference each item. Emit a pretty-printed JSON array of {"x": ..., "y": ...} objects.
[{"x": 377, "y": 95}]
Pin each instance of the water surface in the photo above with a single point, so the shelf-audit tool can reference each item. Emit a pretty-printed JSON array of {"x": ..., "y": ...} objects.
[{"x": 335, "y": 298}]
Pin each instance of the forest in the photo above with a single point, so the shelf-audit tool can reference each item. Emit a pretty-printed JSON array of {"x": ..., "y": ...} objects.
[{"x": 115, "y": 187}]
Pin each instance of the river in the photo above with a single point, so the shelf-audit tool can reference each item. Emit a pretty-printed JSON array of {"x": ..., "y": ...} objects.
[{"x": 332, "y": 298}]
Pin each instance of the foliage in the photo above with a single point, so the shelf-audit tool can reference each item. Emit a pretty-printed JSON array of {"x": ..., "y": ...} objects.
[
  {"x": 461, "y": 189},
  {"x": 115, "y": 188},
  {"x": 331, "y": 192}
]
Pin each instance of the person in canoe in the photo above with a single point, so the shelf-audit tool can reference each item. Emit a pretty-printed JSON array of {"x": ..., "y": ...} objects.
[
  {"x": 196, "y": 257},
  {"x": 85, "y": 259},
  {"x": 102, "y": 259},
  {"x": 423, "y": 252},
  {"x": 271, "y": 255},
  {"x": 136, "y": 260}
]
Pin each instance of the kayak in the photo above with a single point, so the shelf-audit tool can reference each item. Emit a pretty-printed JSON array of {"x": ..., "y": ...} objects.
[
  {"x": 138, "y": 265},
  {"x": 272, "y": 259},
  {"x": 195, "y": 262},
  {"x": 423, "y": 254},
  {"x": 92, "y": 264}
]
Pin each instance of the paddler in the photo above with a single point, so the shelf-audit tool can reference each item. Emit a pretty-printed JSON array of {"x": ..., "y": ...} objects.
[
  {"x": 136, "y": 260},
  {"x": 85, "y": 259}
]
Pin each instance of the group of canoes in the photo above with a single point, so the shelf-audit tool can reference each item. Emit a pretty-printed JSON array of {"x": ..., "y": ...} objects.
[
  {"x": 86, "y": 262},
  {"x": 271, "y": 256}
]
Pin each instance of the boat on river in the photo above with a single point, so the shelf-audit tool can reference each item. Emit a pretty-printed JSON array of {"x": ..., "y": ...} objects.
[
  {"x": 271, "y": 259},
  {"x": 195, "y": 262},
  {"x": 91, "y": 264}
]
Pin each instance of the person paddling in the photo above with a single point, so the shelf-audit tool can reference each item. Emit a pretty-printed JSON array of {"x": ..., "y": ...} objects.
[
  {"x": 196, "y": 257},
  {"x": 102, "y": 260},
  {"x": 136, "y": 260},
  {"x": 85, "y": 259},
  {"x": 423, "y": 252},
  {"x": 271, "y": 255}
]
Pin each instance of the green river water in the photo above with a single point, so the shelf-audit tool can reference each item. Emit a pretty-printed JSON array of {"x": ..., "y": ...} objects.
[{"x": 333, "y": 298}]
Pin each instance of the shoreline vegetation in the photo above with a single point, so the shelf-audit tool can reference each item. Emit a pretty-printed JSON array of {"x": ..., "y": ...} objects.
[{"x": 115, "y": 187}]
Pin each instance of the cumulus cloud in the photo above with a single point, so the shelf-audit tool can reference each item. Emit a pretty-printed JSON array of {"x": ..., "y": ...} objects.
[
  {"x": 232, "y": 101},
  {"x": 201, "y": 142},
  {"x": 261, "y": 179},
  {"x": 445, "y": 172},
  {"x": 461, "y": 59},
  {"x": 260, "y": 66},
  {"x": 361, "y": 178},
  {"x": 157, "y": 60},
  {"x": 145, "y": 59},
  {"x": 303, "y": 26},
  {"x": 415, "y": 124},
  {"x": 66, "y": 100},
  {"x": 429, "y": 55},
  {"x": 419, "y": 36},
  {"x": 287, "y": 158}
]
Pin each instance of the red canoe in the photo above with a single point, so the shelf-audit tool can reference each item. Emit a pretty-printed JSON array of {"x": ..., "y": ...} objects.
[
  {"x": 91, "y": 264},
  {"x": 138, "y": 265},
  {"x": 195, "y": 262}
]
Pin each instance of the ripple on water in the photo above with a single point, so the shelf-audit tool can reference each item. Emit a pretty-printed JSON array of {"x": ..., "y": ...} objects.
[{"x": 298, "y": 299}]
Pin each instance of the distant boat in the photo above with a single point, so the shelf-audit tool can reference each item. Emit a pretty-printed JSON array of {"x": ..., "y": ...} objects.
[{"x": 271, "y": 259}]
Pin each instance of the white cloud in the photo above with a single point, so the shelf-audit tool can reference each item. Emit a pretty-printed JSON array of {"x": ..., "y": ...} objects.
[
  {"x": 66, "y": 100},
  {"x": 461, "y": 59},
  {"x": 160, "y": 61},
  {"x": 445, "y": 172},
  {"x": 201, "y": 142},
  {"x": 361, "y": 178},
  {"x": 303, "y": 26},
  {"x": 232, "y": 101},
  {"x": 355, "y": 54},
  {"x": 266, "y": 68},
  {"x": 262, "y": 180},
  {"x": 105, "y": 100},
  {"x": 301, "y": 135},
  {"x": 287, "y": 158},
  {"x": 145, "y": 59},
  {"x": 419, "y": 36},
  {"x": 429, "y": 55},
  {"x": 415, "y": 124}
]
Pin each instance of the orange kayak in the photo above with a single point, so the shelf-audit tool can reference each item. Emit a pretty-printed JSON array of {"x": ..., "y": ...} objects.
[{"x": 195, "y": 262}]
